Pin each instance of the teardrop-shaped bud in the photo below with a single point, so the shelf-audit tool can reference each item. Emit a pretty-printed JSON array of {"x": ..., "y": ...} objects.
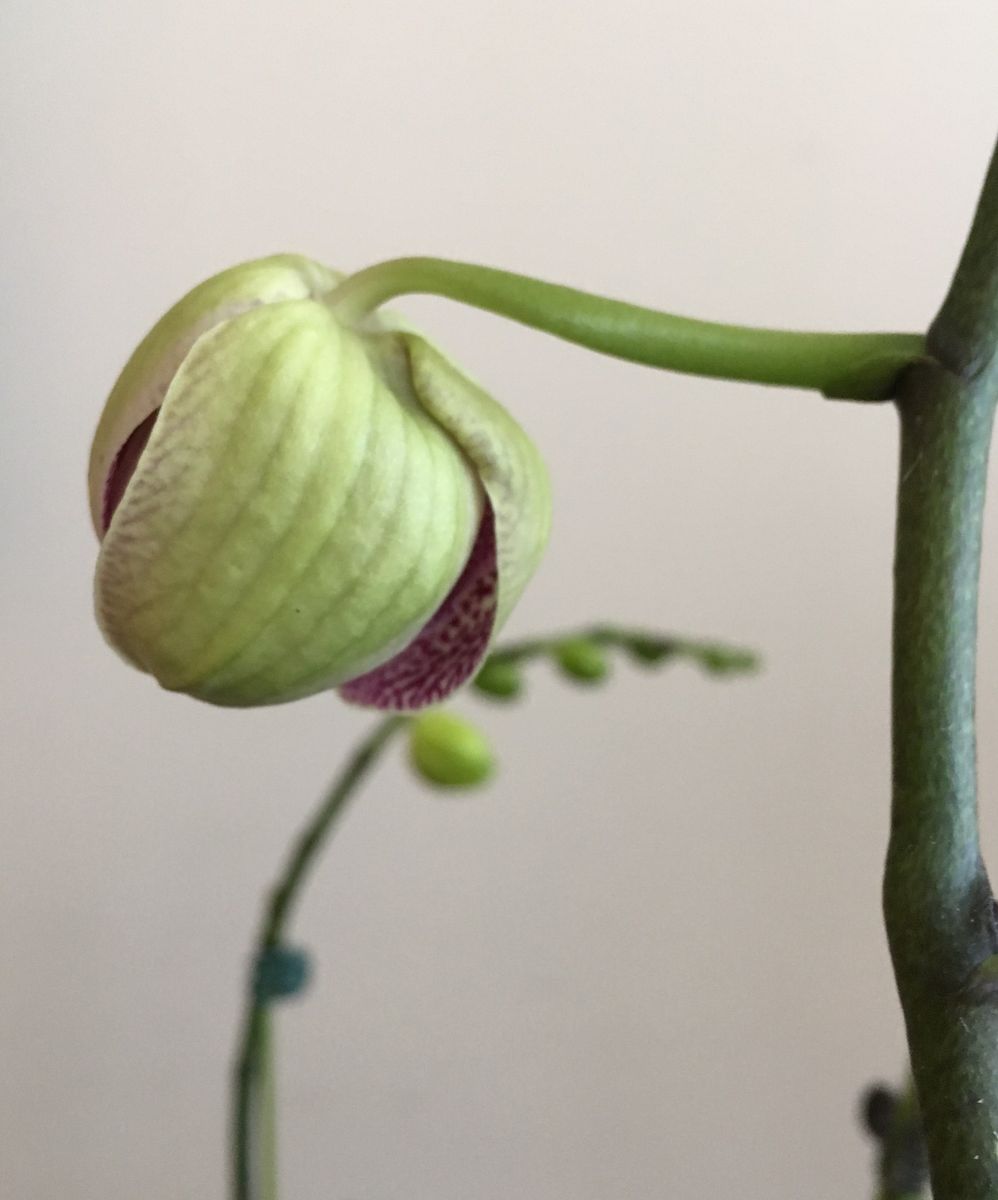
[
  {"x": 582, "y": 660},
  {"x": 648, "y": 649},
  {"x": 448, "y": 751},
  {"x": 499, "y": 680},
  {"x": 725, "y": 660},
  {"x": 288, "y": 504}
]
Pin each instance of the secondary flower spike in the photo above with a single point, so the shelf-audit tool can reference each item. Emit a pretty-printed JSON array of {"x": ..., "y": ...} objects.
[{"x": 288, "y": 504}]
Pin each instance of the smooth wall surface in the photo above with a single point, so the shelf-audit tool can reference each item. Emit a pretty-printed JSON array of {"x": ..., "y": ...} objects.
[{"x": 648, "y": 960}]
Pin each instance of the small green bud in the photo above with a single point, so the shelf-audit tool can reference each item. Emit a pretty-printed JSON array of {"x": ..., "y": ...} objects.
[
  {"x": 650, "y": 650},
  {"x": 720, "y": 661},
  {"x": 582, "y": 660},
  {"x": 448, "y": 751},
  {"x": 499, "y": 680}
]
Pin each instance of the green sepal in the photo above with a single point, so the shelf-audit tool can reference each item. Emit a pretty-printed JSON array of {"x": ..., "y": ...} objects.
[
  {"x": 142, "y": 385},
  {"x": 506, "y": 460}
]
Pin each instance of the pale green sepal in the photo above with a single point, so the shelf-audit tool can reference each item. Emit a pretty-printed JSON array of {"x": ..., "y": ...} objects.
[
  {"x": 143, "y": 383},
  {"x": 508, "y": 464},
  {"x": 291, "y": 524}
]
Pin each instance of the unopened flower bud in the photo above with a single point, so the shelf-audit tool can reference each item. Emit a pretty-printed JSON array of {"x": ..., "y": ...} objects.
[
  {"x": 499, "y": 680},
  {"x": 648, "y": 649},
  {"x": 288, "y": 504},
  {"x": 448, "y": 751},
  {"x": 582, "y": 660},
  {"x": 719, "y": 660}
]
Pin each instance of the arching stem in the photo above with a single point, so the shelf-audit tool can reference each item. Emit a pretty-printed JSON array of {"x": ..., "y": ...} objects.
[
  {"x": 253, "y": 1179},
  {"x": 849, "y": 366}
]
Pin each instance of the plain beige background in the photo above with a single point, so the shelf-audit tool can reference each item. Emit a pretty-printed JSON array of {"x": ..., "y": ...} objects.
[{"x": 648, "y": 961}]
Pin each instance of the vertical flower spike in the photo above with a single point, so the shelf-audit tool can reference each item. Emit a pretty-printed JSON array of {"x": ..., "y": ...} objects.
[{"x": 288, "y": 504}]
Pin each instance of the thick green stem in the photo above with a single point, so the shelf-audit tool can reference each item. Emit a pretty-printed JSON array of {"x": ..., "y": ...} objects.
[
  {"x": 938, "y": 903},
  {"x": 853, "y": 366}
]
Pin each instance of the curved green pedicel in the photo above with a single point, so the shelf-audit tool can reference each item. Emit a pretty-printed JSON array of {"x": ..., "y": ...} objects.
[
  {"x": 143, "y": 383},
  {"x": 292, "y": 522},
  {"x": 858, "y": 366}
]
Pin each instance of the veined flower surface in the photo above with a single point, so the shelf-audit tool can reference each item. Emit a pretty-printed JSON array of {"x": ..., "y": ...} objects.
[{"x": 288, "y": 504}]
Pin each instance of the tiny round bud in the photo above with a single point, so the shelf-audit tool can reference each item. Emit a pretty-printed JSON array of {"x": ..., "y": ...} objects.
[
  {"x": 649, "y": 650},
  {"x": 719, "y": 661},
  {"x": 582, "y": 660},
  {"x": 448, "y": 751},
  {"x": 499, "y": 680}
]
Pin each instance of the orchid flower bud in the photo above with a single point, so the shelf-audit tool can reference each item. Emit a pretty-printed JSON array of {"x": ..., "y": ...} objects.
[
  {"x": 287, "y": 504},
  {"x": 499, "y": 680},
  {"x": 448, "y": 751},
  {"x": 582, "y": 660}
]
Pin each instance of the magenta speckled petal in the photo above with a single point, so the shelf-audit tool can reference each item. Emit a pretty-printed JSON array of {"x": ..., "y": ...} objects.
[{"x": 451, "y": 645}]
